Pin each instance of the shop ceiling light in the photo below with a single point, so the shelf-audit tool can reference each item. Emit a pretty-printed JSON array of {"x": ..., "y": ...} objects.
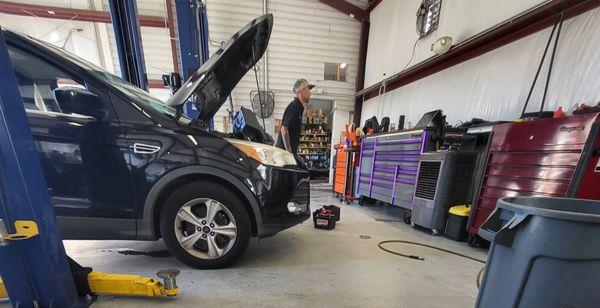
[{"x": 442, "y": 45}]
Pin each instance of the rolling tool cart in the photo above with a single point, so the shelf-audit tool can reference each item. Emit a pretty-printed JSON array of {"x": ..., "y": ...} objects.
[
  {"x": 389, "y": 162},
  {"x": 347, "y": 159},
  {"x": 389, "y": 165},
  {"x": 544, "y": 157},
  {"x": 339, "y": 176}
]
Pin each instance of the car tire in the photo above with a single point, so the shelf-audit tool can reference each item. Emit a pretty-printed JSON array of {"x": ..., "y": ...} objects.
[{"x": 185, "y": 221}]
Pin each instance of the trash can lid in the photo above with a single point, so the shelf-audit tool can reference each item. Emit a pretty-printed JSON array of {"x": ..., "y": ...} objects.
[
  {"x": 460, "y": 210},
  {"x": 559, "y": 208}
]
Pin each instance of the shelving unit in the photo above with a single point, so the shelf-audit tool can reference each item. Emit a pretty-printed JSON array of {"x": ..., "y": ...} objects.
[
  {"x": 315, "y": 138},
  {"x": 315, "y": 148}
]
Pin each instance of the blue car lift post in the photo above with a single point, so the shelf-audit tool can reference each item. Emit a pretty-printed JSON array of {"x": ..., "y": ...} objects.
[
  {"x": 192, "y": 25},
  {"x": 193, "y": 41},
  {"x": 123, "y": 14},
  {"x": 34, "y": 267}
]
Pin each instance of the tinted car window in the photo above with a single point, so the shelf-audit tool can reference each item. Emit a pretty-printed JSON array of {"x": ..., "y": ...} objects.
[
  {"x": 131, "y": 91},
  {"x": 46, "y": 88}
]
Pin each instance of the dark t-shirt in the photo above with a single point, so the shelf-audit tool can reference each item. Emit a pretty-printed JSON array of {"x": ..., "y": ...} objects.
[{"x": 292, "y": 118}]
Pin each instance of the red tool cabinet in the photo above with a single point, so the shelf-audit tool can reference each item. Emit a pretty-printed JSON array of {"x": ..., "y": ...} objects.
[{"x": 544, "y": 157}]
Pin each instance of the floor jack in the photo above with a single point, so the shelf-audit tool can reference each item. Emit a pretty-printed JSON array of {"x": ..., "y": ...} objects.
[{"x": 91, "y": 283}]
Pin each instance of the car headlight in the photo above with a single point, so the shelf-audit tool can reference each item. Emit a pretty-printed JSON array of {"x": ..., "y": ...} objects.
[{"x": 266, "y": 154}]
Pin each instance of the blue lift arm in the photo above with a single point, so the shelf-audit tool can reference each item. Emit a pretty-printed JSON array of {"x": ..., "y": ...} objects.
[
  {"x": 192, "y": 25},
  {"x": 33, "y": 269},
  {"x": 123, "y": 14}
]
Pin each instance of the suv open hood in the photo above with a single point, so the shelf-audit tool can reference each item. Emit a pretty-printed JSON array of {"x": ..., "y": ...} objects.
[{"x": 215, "y": 79}]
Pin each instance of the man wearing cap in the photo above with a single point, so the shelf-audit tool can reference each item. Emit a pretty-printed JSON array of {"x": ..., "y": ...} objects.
[{"x": 291, "y": 124}]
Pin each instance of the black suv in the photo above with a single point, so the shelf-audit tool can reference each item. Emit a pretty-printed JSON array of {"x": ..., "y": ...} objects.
[{"x": 121, "y": 164}]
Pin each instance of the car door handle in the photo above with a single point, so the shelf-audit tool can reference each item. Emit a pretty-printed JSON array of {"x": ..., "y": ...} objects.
[{"x": 142, "y": 148}]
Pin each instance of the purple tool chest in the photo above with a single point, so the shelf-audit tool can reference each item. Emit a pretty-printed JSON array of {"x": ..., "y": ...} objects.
[{"x": 389, "y": 163}]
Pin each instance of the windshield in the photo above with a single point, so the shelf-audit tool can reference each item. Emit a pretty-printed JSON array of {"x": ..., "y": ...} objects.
[{"x": 130, "y": 90}]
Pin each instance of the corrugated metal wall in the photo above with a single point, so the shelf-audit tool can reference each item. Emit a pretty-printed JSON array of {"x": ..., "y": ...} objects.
[
  {"x": 225, "y": 18},
  {"x": 495, "y": 85},
  {"x": 306, "y": 34}
]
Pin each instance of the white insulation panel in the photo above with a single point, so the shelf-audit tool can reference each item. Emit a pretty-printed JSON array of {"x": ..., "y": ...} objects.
[
  {"x": 494, "y": 86},
  {"x": 392, "y": 32}
]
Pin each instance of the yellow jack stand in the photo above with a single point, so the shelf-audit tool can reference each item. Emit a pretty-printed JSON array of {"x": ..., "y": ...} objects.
[
  {"x": 130, "y": 285},
  {"x": 118, "y": 284}
]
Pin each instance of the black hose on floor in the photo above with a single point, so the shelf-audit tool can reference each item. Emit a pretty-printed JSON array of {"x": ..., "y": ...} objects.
[
  {"x": 477, "y": 279},
  {"x": 380, "y": 245}
]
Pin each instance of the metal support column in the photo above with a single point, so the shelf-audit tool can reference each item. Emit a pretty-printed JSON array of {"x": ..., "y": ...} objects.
[
  {"x": 189, "y": 46},
  {"x": 203, "y": 29},
  {"x": 192, "y": 26},
  {"x": 123, "y": 14},
  {"x": 34, "y": 270}
]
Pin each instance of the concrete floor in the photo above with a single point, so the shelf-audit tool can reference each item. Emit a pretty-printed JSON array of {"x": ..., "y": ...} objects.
[{"x": 306, "y": 267}]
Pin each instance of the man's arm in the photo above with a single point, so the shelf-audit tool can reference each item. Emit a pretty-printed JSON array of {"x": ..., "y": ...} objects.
[{"x": 285, "y": 134}]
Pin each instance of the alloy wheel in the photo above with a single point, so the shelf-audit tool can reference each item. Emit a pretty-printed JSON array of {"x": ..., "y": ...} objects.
[{"x": 205, "y": 228}]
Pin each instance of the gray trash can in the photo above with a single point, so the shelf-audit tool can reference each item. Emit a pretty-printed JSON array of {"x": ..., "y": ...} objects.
[{"x": 545, "y": 252}]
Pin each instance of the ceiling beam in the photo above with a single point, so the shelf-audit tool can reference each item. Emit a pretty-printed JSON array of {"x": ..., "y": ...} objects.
[
  {"x": 156, "y": 84},
  {"x": 514, "y": 29},
  {"x": 72, "y": 14},
  {"x": 348, "y": 9}
]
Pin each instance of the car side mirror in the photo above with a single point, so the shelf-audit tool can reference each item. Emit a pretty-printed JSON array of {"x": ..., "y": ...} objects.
[{"x": 75, "y": 100}]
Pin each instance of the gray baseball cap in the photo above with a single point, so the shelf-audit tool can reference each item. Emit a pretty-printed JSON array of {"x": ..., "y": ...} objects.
[{"x": 301, "y": 84}]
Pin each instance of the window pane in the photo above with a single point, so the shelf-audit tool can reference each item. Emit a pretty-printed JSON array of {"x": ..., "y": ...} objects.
[{"x": 335, "y": 71}]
